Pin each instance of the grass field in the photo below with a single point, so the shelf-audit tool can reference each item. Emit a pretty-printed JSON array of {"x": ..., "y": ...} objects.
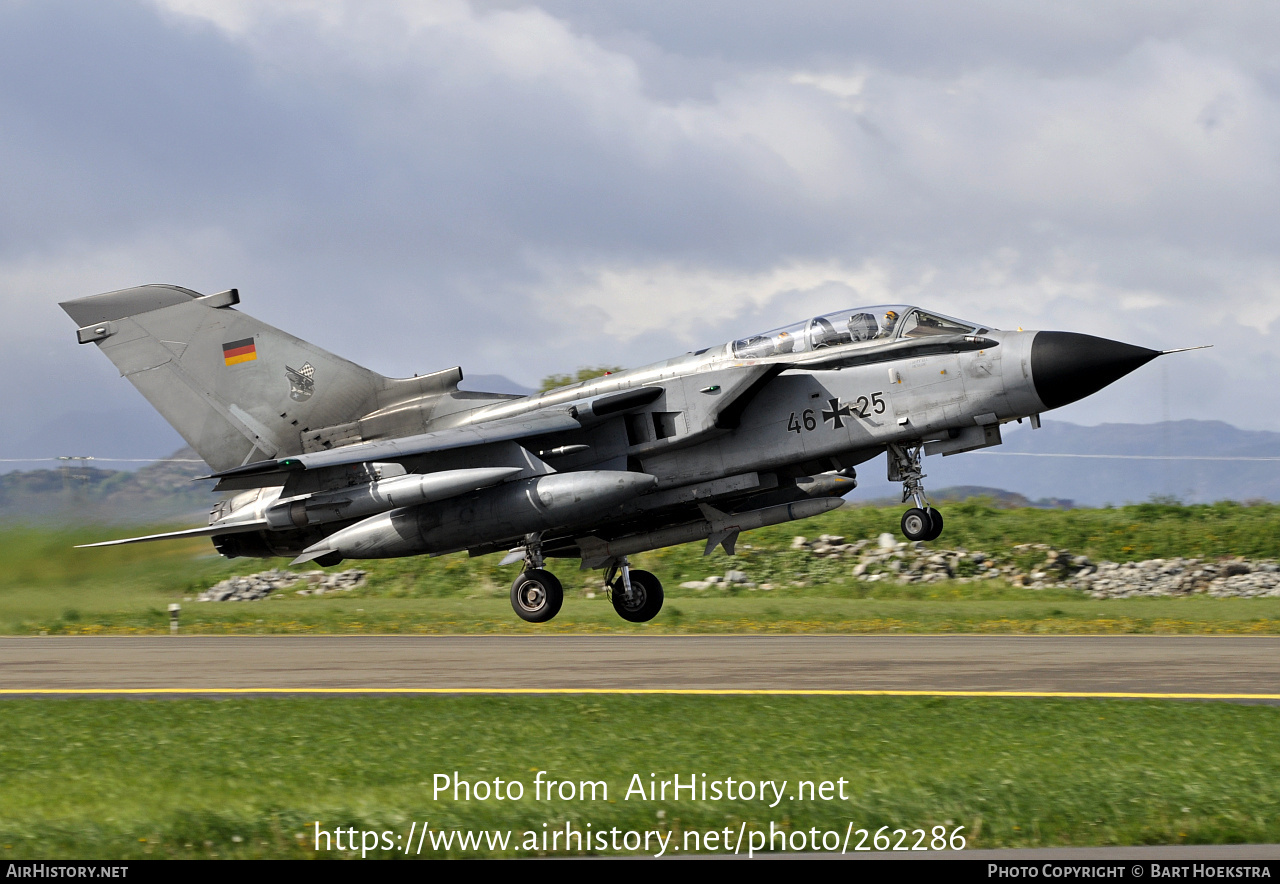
[
  {"x": 46, "y": 586},
  {"x": 245, "y": 778},
  {"x": 249, "y": 778}
]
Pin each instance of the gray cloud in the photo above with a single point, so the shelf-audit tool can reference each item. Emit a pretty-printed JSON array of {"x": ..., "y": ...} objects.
[{"x": 526, "y": 189}]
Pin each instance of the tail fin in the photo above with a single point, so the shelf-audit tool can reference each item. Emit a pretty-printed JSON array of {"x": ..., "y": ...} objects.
[{"x": 238, "y": 390}]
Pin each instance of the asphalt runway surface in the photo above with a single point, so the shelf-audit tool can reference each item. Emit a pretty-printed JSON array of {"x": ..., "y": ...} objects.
[{"x": 1245, "y": 669}]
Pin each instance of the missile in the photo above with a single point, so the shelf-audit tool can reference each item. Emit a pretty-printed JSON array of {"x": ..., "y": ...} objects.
[
  {"x": 511, "y": 510},
  {"x": 382, "y": 495},
  {"x": 716, "y": 528}
]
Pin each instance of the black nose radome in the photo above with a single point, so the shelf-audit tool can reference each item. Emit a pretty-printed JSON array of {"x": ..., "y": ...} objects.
[{"x": 1066, "y": 366}]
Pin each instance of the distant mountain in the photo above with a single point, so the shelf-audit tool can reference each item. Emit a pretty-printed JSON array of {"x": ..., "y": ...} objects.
[
  {"x": 999, "y": 498},
  {"x": 74, "y": 492},
  {"x": 1193, "y": 461}
]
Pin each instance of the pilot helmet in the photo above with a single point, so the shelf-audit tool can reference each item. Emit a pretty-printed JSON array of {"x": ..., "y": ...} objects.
[{"x": 890, "y": 319}]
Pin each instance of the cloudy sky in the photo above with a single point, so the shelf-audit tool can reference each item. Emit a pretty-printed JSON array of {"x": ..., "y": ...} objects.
[{"x": 527, "y": 188}]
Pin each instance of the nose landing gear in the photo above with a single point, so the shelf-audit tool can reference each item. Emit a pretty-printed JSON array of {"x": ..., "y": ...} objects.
[{"x": 922, "y": 521}]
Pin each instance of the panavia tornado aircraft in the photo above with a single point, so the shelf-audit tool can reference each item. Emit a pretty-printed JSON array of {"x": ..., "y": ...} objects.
[{"x": 330, "y": 461}]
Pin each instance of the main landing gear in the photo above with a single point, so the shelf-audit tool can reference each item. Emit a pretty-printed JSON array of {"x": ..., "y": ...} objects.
[
  {"x": 636, "y": 595},
  {"x": 921, "y": 522},
  {"x": 536, "y": 595}
]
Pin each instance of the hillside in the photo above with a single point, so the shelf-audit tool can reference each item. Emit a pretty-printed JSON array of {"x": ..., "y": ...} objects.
[
  {"x": 162, "y": 491},
  {"x": 1193, "y": 461}
]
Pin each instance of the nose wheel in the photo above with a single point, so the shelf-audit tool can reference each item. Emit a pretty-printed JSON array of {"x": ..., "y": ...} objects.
[{"x": 921, "y": 522}]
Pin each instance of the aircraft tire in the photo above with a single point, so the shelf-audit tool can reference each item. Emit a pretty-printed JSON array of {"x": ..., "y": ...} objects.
[
  {"x": 647, "y": 597},
  {"x": 536, "y": 595},
  {"x": 935, "y": 520},
  {"x": 916, "y": 524}
]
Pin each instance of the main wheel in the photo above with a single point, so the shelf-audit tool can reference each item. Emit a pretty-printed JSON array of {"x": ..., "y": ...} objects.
[
  {"x": 646, "y": 597},
  {"x": 935, "y": 518},
  {"x": 537, "y": 595},
  {"x": 916, "y": 524}
]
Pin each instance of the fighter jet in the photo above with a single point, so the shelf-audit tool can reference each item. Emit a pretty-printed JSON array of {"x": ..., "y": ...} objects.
[{"x": 325, "y": 460}]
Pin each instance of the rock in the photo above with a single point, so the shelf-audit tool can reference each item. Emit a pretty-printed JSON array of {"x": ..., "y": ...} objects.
[
  {"x": 253, "y": 587},
  {"x": 736, "y": 577},
  {"x": 898, "y": 561}
]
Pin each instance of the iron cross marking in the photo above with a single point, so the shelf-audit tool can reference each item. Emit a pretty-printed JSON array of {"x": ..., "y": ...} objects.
[{"x": 837, "y": 410}]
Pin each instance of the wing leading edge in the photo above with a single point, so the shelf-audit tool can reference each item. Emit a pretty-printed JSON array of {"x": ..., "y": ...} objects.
[{"x": 391, "y": 450}]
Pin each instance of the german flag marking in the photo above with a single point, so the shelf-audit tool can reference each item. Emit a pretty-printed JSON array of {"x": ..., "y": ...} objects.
[{"x": 239, "y": 351}]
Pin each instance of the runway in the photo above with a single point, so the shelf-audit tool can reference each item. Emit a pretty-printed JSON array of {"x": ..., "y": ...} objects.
[{"x": 1174, "y": 667}]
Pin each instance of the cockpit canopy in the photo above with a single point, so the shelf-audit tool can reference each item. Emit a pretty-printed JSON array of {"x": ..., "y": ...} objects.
[{"x": 887, "y": 322}]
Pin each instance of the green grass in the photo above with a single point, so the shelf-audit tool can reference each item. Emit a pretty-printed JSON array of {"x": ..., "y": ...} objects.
[{"x": 121, "y": 779}]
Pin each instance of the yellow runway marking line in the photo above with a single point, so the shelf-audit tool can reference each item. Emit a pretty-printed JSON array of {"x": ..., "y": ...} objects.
[{"x": 707, "y": 692}]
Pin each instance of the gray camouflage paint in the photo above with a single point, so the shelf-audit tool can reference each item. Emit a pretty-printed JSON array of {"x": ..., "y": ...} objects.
[{"x": 628, "y": 455}]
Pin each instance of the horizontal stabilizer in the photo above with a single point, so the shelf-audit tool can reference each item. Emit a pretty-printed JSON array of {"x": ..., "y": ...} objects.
[{"x": 211, "y": 530}]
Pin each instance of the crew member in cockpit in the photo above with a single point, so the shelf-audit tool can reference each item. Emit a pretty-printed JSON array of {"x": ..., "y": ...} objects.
[
  {"x": 862, "y": 327},
  {"x": 887, "y": 324}
]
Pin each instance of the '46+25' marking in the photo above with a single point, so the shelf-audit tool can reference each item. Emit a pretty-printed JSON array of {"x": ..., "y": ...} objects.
[{"x": 863, "y": 407}]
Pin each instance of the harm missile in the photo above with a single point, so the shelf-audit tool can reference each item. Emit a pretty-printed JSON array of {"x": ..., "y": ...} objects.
[
  {"x": 511, "y": 510},
  {"x": 717, "y": 529}
]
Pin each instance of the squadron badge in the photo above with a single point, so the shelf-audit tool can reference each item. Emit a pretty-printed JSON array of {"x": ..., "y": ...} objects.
[{"x": 301, "y": 382}]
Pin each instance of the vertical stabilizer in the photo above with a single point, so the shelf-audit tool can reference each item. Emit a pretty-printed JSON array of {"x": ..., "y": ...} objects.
[{"x": 237, "y": 389}]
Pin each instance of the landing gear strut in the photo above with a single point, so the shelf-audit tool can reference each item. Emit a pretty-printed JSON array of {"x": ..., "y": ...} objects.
[
  {"x": 536, "y": 595},
  {"x": 636, "y": 595},
  {"x": 921, "y": 522}
]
